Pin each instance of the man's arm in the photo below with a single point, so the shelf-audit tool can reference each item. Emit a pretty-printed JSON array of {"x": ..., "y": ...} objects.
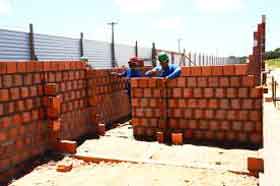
[
  {"x": 152, "y": 72},
  {"x": 176, "y": 73}
]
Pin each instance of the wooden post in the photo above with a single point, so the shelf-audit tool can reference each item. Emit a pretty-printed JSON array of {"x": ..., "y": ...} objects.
[
  {"x": 31, "y": 43},
  {"x": 82, "y": 44},
  {"x": 136, "y": 49},
  {"x": 154, "y": 55}
]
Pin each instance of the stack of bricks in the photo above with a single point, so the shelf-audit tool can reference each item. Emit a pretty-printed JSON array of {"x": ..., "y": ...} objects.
[
  {"x": 65, "y": 100},
  {"x": 257, "y": 59},
  {"x": 22, "y": 129},
  {"x": 212, "y": 103},
  {"x": 107, "y": 95}
]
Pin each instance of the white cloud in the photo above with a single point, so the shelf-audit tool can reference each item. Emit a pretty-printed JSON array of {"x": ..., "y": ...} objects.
[
  {"x": 138, "y": 6},
  {"x": 5, "y": 7},
  {"x": 219, "y": 5}
]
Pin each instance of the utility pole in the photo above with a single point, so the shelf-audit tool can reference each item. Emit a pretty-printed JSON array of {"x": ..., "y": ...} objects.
[
  {"x": 179, "y": 44},
  {"x": 113, "y": 56}
]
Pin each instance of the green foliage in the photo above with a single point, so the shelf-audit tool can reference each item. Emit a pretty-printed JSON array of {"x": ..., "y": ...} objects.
[{"x": 273, "y": 54}]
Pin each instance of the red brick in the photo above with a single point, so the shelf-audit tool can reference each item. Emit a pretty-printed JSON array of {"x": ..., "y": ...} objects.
[
  {"x": 17, "y": 81},
  {"x": 255, "y": 164},
  {"x": 241, "y": 69},
  {"x": 220, "y": 114},
  {"x": 209, "y": 135},
  {"x": 235, "y": 81},
  {"x": 4, "y": 95},
  {"x": 185, "y": 71},
  {"x": 177, "y": 92},
  {"x": 14, "y": 93},
  {"x": 199, "y": 114},
  {"x": 228, "y": 70},
  {"x": 5, "y": 122},
  {"x": 20, "y": 105},
  {"x": 188, "y": 134},
  {"x": 148, "y": 113},
  {"x": 255, "y": 115},
  {"x": 258, "y": 103},
  {"x": 3, "y": 68},
  {"x": 197, "y": 92},
  {"x": 213, "y": 103},
  {"x": 188, "y": 113},
  {"x": 160, "y": 137},
  {"x": 3, "y": 136},
  {"x": 208, "y": 92},
  {"x": 209, "y": 114},
  {"x": 217, "y": 70},
  {"x": 193, "y": 124},
  {"x": 11, "y": 67},
  {"x": 157, "y": 93},
  {"x": 249, "y": 126},
  {"x": 196, "y": 71},
  {"x": 249, "y": 81},
  {"x": 27, "y": 79},
  {"x": 231, "y": 92},
  {"x": 242, "y": 115},
  {"x": 237, "y": 126},
  {"x": 198, "y": 135},
  {"x": 202, "y": 103},
  {"x": 172, "y": 103},
  {"x": 256, "y": 92},
  {"x": 181, "y": 82},
  {"x": 220, "y": 135},
  {"x": 173, "y": 124},
  {"x": 243, "y": 92},
  {"x": 177, "y": 138},
  {"x": 26, "y": 117},
  {"x": 206, "y": 71},
  {"x": 235, "y": 103},
  {"x": 224, "y": 82},
  {"x": 172, "y": 83},
  {"x": 7, "y": 81},
  {"x": 202, "y": 82},
  {"x": 191, "y": 82},
  {"x": 231, "y": 115},
  {"x": 219, "y": 93},
  {"x": 21, "y": 67},
  {"x": 144, "y": 102},
  {"x": 147, "y": 92},
  {"x": 182, "y": 103},
  {"x": 187, "y": 93},
  {"x": 230, "y": 136},
  {"x": 213, "y": 82},
  {"x": 256, "y": 138},
  {"x": 177, "y": 113},
  {"x": 247, "y": 104},
  {"x": 152, "y": 82},
  {"x": 1, "y": 109},
  {"x": 225, "y": 125},
  {"x": 138, "y": 92}
]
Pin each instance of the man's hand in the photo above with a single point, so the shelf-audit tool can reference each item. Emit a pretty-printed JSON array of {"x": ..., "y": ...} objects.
[{"x": 114, "y": 74}]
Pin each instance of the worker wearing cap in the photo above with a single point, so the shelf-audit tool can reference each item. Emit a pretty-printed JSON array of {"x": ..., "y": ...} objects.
[
  {"x": 165, "y": 70},
  {"x": 131, "y": 72}
]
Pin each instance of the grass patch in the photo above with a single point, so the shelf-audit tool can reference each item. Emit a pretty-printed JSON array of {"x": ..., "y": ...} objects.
[{"x": 273, "y": 63}]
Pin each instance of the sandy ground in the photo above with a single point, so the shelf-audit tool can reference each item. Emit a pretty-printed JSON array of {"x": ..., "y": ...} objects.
[
  {"x": 198, "y": 165},
  {"x": 125, "y": 174}
]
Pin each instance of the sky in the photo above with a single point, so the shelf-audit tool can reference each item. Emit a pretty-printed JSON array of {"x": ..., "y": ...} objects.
[{"x": 222, "y": 27}]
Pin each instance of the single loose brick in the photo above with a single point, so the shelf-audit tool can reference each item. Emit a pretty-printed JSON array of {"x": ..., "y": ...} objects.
[
  {"x": 255, "y": 164},
  {"x": 177, "y": 138}
]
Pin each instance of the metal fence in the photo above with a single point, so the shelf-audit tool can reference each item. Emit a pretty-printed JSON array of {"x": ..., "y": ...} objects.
[{"x": 16, "y": 45}]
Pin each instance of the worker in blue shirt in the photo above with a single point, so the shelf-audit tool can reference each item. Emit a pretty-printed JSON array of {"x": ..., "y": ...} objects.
[
  {"x": 131, "y": 72},
  {"x": 165, "y": 70}
]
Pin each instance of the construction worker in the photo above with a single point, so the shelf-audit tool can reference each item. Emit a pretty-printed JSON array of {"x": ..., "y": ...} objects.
[
  {"x": 165, "y": 70},
  {"x": 129, "y": 73}
]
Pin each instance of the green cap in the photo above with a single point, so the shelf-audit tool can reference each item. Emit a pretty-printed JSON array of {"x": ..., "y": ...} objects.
[
  {"x": 163, "y": 57},
  {"x": 84, "y": 58}
]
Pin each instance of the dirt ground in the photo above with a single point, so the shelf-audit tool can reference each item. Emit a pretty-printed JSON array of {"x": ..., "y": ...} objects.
[
  {"x": 131, "y": 174},
  {"x": 188, "y": 165}
]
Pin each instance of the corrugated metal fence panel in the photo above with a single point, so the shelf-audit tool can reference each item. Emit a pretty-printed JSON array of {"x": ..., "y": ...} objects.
[
  {"x": 98, "y": 53},
  {"x": 56, "y": 48},
  {"x": 14, "y": 45},
  {"x": 145, "y": 53},
  {"x": 124, "y": 53}
]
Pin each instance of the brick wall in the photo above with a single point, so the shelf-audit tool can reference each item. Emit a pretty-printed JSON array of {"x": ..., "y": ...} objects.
[
  {"x": 43, "y": 102},
  {"x": 217, "y": 103}
]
